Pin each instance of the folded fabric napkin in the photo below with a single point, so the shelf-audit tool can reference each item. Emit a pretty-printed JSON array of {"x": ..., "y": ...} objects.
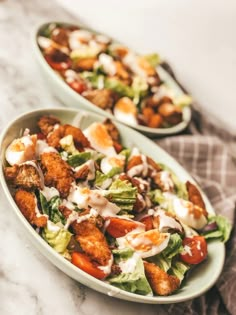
[{"x": 206, "y": 150}]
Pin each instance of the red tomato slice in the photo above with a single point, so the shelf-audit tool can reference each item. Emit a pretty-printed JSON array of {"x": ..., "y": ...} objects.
[
  {"x": 147, "y": 221},
  {"x": 119, "y": 227},
  {"x": 83, "y": 262},
  {"x": 59, "y": 66},
  {"x": 77, "y": 86},
  {"x": 195, "y": 250}
]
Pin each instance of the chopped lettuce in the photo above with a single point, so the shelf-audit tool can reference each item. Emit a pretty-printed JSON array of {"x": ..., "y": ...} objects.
[
  {"x": 183, "y": 100},
  {"x": 179, "y": 269},
  {"x": 223, "y": 228},
  {"x": 174, "y": 246},
  {"x": 140, "y": 88},
  {"x": 157, "y": 196},
  {"x": 51, "y": 208},
  {"x": 102, "y": 180},
  {"x": 97, "y": 80},
  {"x": 119, "y": 87},
  {"x": 133, "y": 278},
  {"x": 153, "y": 59},
  {"x": 57, "y": 237},
  {"x": 126, "y": 153},
  {"x": 78, "y": 159},
  {"x": 165, "y": 258},
  {"x": 67, "y": 143},
  {"x": 122, "y": 193}
]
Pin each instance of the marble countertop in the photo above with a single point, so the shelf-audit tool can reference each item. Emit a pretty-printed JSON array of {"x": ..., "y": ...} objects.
[{"x": 29, "y": 284}]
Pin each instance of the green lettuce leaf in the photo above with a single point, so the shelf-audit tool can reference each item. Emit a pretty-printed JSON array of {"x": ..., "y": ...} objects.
[
  {"x": 122, "y": 193},
  {"x": 153, "y": 59},
  {"x": 157, "y": 196},
  {"x": 174, "y": 246},
  {"x": 119, "y": 87},
  {"x": 57, "y": 237},
  {"x": 67, "y": 143},
  {"x": 51, "y": 208},
  {"x": 179, "y": 269},
  {"x": 223, "y": 228},
  {"x": 78, "y": 159},
  {"x": 96, "y": 80},
  {"x": 134, "y": 281}
]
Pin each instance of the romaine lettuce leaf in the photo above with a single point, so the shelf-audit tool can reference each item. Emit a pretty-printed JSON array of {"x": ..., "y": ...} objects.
[
  {"x": 174, "y": 246},
  {"x": 179, "y": 269},
  {"x": 57, "y": 237},
  {"x": 119, "y": 87},
  {"x": 122, "y": 193},
  {"x": 223, "y": 228},
  {"x": 78, "y": 159},
  {"x": 51, "y": 208},
  {"x": 153, "y": 59},
  {"x": 134, "y": 280}
]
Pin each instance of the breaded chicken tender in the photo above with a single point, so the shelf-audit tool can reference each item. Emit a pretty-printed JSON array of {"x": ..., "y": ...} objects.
[
  {"x": 160, "y": 282},
  {"x": 27, "y": 203},
  {"x": 47, "y": 123},
  {"x": 195, "y": 197},
  {"x": 92, "y": 241},
  {"x": 25, "y": 176},
  {"x": 57, "y": 134},
  {"x": 57, "y": 173}
]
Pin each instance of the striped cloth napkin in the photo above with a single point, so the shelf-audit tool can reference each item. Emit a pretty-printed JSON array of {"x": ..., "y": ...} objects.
[{"x": 207, "y": 151}]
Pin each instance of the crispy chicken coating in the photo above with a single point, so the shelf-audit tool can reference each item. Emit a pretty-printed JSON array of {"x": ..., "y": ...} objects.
[
  {"x": 161, "y": 283},
  {"x": 46, "y": 124},
  {"x": 172, "y": 114},
  {"x": 27, "y": 203},
  {"x": 82, "y": 173},
  {"x": 103, "y": 98},
  {"x": 195, "y": 196},
  {"x": 25, "y": 176},
  {"x": 57, "y": 173},
  {"x": 92, "y": 241},
  {"x": 79, "y": 138}
]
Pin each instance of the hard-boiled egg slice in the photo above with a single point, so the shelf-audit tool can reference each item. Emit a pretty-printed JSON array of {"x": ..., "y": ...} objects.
[
  {"x": 21, "y": 150},
  {"x": 100, "y": 139},
  {"x": 126, "y": 111},
  {"x": 146, "y": 244},
  {"x": 76, "y": 38},
  {"x": 189, "y": 214},
  {"x": 164, "y": 221},
  {"x": 110, "y": 162}
]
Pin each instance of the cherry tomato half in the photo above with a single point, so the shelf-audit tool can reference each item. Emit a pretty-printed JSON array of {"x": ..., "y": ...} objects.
[
  {"x": 77, "y": 86},
  {"x": 119, "y": 227},
  {"x": 148, "y": 222},
  {"x": 83, "y": 262},
  {"x": 59, "y": 66},
  {"x": 195, "y": 250}
]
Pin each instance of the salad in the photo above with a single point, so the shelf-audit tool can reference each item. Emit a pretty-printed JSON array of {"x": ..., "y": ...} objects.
[
  {"x": 112, "y": 211},
  {"x": 111, "y": 76}
]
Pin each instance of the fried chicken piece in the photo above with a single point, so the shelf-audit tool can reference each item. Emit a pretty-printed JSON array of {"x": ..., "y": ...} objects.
[
  {"x": 47, "y": 123},
  {"x": 85, "y": 64},
  {"x": 92, "y": 241},
  {"x": 27, "y": 203},
  {"x": 57, "y": 173},
  {"x": 79, "y": 138},
  {"x": 134, "y": 161},
  {"x": 60, "y": 36},
  {"x": 25, "y": 176},
  {"x": 164, "y": 181},
  {"x": 172, "y": 114},
  {"x": 160, "y": 282},
  {"x": 112, "y": 130},
  {"x": 155, "y": 121},
  {"x": 195, "y": 197},
  {"x": 82, "y": 172},
  {"x": 103, "y": 98}
]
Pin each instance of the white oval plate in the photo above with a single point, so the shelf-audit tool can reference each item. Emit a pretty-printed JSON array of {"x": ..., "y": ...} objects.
[
  {"x": 72, "y": 99},
  {"x": 199, "y": 280}
]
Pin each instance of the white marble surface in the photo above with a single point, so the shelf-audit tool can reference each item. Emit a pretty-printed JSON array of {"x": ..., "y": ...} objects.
[{"x": 29, "y": 284}]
